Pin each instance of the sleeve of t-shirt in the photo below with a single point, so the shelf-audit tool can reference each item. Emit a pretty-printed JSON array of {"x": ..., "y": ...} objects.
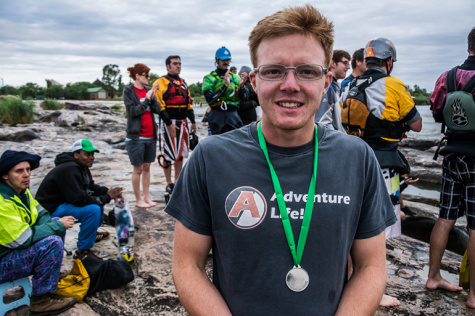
[
  {"x": 377, "y": 210},
  {"x": 189, "y": 203}
]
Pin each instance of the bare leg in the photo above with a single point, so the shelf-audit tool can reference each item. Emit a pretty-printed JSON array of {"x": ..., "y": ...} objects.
[
  {"x": 168, "y": 173},
  {"x": 178, "y": 167},
  {"x": 136, "y": 186},
  {"x": 438, "y": 242},
  {"x": 471, "y": 258},
  {"x": 146, "y": 184}
]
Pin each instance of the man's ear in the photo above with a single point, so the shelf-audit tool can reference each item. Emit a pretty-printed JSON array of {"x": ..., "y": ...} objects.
[
  {"x": 328, "y": 81},
  {"x": 76, "y": 155},
  {"x": 252, "y": 78},
  {"x": 332, "y": 64},
  {"x": 5, "y": 177}
]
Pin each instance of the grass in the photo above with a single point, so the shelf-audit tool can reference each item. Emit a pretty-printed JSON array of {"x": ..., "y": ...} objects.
[
  {"x": 16, "y": 111},
  {"x": 51, "y": 105},
  {"x": 118, "y": 107}
]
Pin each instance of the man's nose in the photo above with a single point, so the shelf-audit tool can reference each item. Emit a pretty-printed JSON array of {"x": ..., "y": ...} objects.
[{"x": 290, "y": 81}]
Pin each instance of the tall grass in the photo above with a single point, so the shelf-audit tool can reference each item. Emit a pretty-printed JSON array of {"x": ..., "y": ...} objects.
[
  {"x": 16, "y": 111},
  {"x": 51, "y": 105}
]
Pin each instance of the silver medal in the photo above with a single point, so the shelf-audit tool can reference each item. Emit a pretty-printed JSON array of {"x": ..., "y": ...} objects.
[{"x": 297, "y": 279}]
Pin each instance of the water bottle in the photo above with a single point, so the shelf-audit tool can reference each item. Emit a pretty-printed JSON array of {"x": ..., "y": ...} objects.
[{"x": 124, "y": 226}]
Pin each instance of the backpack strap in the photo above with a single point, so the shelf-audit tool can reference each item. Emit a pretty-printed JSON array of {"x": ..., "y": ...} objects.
[
  {"x": 370, "y": 80},
  {"x": 451, "y": 83},
  {"x": 470, "y": 85}
]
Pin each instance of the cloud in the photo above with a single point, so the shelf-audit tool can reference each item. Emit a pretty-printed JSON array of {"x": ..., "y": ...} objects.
[{"x": 71, "y": 41}]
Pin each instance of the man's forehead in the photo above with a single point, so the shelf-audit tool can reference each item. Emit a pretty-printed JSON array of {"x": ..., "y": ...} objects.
[
  {"x": 22, "y": 165},
  {"x": 298, "y": 47}
]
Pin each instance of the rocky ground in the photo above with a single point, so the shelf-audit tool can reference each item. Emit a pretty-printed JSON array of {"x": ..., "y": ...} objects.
[{"x": 152, "y": 292}]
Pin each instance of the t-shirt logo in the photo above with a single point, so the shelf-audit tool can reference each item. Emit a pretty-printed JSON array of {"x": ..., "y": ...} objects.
[{"x": 246, "y": 207}]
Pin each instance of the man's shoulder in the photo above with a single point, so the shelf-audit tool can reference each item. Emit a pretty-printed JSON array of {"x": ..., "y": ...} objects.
[
  {"x": 342, "y": 141},
  {"x": 218, "y": 142}
]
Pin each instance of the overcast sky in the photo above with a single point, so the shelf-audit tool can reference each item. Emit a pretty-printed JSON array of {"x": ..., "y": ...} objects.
[{"x": 71, "y": 41}]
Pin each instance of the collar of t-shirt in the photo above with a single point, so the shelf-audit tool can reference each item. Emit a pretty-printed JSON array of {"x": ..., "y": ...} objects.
[
  {"x": 468, "y": 64},
  {"x": 174, "y": 77},
  {"x": 288, "y": 151}
]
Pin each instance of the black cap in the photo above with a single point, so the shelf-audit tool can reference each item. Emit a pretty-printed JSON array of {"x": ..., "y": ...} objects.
[{"x": 11, "y": 158}]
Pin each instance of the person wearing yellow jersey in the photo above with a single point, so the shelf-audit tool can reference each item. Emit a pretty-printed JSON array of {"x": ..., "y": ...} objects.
[
  {"x": 379, "y": 109},
  {"x": 176, "y": 106},
  {"x": 30, "y": 242}
]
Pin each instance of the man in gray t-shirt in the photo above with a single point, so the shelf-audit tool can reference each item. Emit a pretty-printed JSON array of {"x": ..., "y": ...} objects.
[{"x": 228, "y": 199}]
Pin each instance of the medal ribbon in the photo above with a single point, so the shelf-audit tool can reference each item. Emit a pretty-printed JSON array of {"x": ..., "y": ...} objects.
[{"x": 296, "y": 256}]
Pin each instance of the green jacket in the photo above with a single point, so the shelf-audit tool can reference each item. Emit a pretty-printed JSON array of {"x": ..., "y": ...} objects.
[
  {"x": 21, "y": 225},
  {"x": 215, "y": 83}
]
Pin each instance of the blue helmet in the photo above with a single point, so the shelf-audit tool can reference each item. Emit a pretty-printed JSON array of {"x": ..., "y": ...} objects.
[{"x": 223, "y": 53}]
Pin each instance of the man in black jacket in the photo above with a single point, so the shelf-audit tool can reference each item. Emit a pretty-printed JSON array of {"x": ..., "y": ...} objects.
[{"x": 68, "y": 190}]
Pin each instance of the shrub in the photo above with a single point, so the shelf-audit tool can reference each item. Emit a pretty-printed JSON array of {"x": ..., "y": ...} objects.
[
  {"x": 419, "y": 100},
  {"x": 51, "y": 105},
  {"x": 16, "y": 111},
  {"x": 118, "y": 107}
]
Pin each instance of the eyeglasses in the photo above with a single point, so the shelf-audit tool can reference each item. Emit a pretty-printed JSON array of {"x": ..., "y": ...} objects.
[
  {"x": 345, "y": 62},
  {"x": 145, "y": 75},
  {"x": 304, "y": 72}
]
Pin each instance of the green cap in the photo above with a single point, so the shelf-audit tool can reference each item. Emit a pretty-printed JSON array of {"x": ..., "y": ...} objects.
[{"x": 85, "y": 145}]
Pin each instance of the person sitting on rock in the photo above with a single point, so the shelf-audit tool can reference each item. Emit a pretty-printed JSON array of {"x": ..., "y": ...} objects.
[
  {"x": 30, "y": 242},
  {"x": 68, "y": 189}
]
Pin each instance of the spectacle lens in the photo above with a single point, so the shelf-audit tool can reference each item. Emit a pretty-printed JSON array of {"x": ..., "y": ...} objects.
[
  {"x": 345, "y": 62},
  {"x": 305, "y": 72}
]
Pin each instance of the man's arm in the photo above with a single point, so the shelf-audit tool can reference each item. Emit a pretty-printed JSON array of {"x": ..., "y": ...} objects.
[
  {"x": 417, "y": 125},
  {"x": 197, "y": 294},
  {"x": 365, "y": 288}
]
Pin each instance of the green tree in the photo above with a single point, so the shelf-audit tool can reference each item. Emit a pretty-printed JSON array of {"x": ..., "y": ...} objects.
[
  {"x": 111, "y": 78},
  {"x": 195, "y": 89},
  {"x": 54, "y": 92},
  {"x": 152, "y": 79},
  {"x": 30, "y": 90},
  {"x": 78, "y": 90},
  {"x": 8, "y": 90}
]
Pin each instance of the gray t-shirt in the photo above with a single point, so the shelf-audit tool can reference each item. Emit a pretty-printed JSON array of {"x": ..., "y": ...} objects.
[{"x": 225, "y": 191}]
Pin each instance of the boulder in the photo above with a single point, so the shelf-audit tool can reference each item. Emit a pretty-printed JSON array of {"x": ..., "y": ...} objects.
[
  {"x": 14, "y": 134},
  {"x": 48, "y": 116},
  {"x": 421, "y": 144},
  {"x": 78, "y": 106}
]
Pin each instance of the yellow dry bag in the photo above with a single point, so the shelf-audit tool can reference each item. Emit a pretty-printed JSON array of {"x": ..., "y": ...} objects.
[{"x": 76, "y": 284}]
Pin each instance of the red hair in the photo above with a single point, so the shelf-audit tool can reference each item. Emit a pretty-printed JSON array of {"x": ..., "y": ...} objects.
[{"x": 137, "y": 69}]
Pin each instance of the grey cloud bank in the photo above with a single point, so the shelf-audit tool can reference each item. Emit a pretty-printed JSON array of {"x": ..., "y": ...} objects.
[{"x": 71, "y": 41}]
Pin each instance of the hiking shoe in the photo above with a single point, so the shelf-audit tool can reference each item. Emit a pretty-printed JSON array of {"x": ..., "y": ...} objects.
[
  {"x": 408, "y": 211},
  {"x": 102, "y": 235},
  {"x": 51, "y": 304},
  {"x": 170, "y": 187},
  {"x": 81, "y": 255}
]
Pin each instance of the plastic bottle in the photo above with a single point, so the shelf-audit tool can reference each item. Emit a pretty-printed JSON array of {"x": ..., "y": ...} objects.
[{"x": 124, "y": 226}]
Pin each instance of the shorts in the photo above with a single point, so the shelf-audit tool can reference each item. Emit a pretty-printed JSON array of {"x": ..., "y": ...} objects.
[
  {"x": 178, "y": 148},
  {"x": 141, "y": 151},
  {"x": 391, "y": 179},
  {"x": 457, "y": 196}
]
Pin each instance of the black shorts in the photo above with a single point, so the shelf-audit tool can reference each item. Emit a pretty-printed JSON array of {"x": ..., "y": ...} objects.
[
  {"x": 457, "y": 196},
  {"x": 141, "y": 151}
]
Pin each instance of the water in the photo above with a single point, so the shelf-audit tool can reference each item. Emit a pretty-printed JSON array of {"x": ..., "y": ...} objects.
[{"x": 430, "y": 129}]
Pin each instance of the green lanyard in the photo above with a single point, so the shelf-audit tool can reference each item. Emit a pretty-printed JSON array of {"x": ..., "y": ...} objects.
[{"x": 297, "y": 256}]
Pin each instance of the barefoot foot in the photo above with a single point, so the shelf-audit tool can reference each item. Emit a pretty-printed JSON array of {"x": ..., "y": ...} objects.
[
  {"x": 141, "y": 204},
  {"x": 442, "y": 283},
  {"x": 389, "y": 301},
  {"x": 471, "y": 303},
  {"x": 150, "y": 202}
]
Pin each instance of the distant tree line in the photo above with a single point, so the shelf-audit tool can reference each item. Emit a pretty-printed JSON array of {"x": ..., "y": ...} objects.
[
  {"x": 111, "y": 81},
  {"x": 421, "y": 96}
]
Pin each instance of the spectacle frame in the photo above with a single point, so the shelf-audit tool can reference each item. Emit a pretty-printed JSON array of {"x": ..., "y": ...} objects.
[{"x": 277, "y": 72}]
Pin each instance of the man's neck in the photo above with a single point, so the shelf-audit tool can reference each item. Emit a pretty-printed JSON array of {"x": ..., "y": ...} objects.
[
  {"x": 17, "y": 190},
  {"x": 287, "y": 138},
  {"x": 138, "y": 85},
  {"x": 356, "y": 73},
  {"x": 177, "y": 76}
]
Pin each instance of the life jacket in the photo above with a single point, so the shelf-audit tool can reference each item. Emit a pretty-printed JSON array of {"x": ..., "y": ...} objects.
[
  {"x": 16, "y": 217},
  {"x": 178, "y": 92},
  {"x": 359, "y": 121},
  {"x": 459, "y": 109},
  {"x": 231, "y": 94}
]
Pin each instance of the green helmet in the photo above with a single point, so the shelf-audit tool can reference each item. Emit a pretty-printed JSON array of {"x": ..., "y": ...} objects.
[{"x": 380, "y": 48}]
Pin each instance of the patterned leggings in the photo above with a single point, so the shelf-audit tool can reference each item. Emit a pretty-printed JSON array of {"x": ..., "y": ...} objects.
[{"x": 42, "y": 259}]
